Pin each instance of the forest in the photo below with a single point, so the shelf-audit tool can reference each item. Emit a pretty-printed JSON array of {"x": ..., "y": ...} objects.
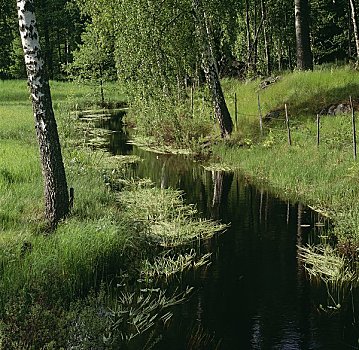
[
  {"x": 166, "y": 46},
  {"x": 249, "y": 38},
  {"x": 179, "y": 174}
]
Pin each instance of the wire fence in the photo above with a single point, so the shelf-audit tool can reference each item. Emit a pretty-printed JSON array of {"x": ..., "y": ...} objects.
[{"x": 287, "y": 122}]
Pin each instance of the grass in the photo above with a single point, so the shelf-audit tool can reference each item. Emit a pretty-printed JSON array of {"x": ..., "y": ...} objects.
[
  {"x": 324, "y": 177},
  {"x": 143, "y": 232},
  {"x": 46, "y": 279}
]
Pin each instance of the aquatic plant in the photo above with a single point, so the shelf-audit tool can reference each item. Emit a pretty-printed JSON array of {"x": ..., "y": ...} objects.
[
  {"x": 136, "y": 313},
  {"x": 170, "y": 222},
  {"x": 323, "y": 264},
  {"x": 168, "y": 264}
]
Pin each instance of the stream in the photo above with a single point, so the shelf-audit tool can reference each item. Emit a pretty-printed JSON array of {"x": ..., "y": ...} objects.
[{"x": 256, "y": 293}]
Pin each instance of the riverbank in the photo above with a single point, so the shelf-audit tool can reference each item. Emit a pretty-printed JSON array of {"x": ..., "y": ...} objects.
[
  {"x": 66, "y": 287},
  {"x": 324, "y": 176},
  {"x": 78, "y": 285}
]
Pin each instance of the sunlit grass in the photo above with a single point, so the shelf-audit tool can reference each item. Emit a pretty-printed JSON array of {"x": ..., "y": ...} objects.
[{"x": 103, "y": 242}]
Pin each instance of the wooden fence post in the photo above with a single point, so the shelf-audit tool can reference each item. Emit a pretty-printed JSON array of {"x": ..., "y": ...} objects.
[
  {"x": 354, "y": 129},
  {"x": 318, "y": 129},
  {"x": 235, "y": 109},
  {"x": 192, "y": 100},
  {"x": 288, "y": 126},
  {"x": 260, "y": 115}
]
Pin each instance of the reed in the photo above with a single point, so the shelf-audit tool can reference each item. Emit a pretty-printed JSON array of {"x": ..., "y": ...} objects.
[
  {"x": 170, "y": 222},
  {"x": 166, "y": 265}
]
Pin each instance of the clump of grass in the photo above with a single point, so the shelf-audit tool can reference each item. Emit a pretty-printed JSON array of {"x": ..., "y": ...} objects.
[
  {"x": 166, "y": 265},
  {"x": 323, "y": 263},
  {"x": 170, "y": 222},
  {"x": 166, "y": 124}
]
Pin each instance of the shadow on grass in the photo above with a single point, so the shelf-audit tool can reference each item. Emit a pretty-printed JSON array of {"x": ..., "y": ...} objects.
[{"x": 321, "y": 101}]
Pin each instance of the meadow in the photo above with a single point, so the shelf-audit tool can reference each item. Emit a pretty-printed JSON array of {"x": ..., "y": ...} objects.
[{"x": 61, "y": 289}]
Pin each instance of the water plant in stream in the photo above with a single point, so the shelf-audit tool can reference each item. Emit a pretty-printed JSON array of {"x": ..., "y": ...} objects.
[
  {"x": 136, "y": 313},
  {"x": 323, "y": 264},
  {"x": 170, "y": 222},
  {"x": 167, "y": 265}
]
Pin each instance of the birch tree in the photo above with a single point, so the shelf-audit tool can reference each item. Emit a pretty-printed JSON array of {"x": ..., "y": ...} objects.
[
  {"x": 354, "y": 17},
  {"x": 56, "y": 192},
  {"x": 211, "y": 71}
]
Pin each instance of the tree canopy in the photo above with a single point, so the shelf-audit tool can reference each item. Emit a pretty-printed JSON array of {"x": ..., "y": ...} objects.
[{"x": 156, "y": 47}]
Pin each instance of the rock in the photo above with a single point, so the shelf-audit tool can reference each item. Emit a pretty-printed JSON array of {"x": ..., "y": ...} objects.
[
  {"x": 269, "y": 81},
  {"x": 341, "y": 108},
  {"x": 272, "y": 115},
  {"x": 230, "y": 67},
  {"x": 331, "y": 110}
]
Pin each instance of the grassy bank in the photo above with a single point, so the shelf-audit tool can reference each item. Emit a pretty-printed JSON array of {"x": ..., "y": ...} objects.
[
  {"x": 325, "y": 177},
  {"x": 78, "y": 286}
]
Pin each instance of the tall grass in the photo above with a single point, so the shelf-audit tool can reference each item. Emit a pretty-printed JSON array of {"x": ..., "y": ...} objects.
[
  {"x": 46, "y": 279},
  {"x": 169, "y": 120}
]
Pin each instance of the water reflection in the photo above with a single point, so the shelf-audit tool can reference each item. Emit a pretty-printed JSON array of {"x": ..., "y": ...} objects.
[{"x": 255, "y": 295}]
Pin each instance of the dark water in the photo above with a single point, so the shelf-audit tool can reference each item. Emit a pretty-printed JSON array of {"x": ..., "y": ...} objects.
[{"x": 256, "y": 294}]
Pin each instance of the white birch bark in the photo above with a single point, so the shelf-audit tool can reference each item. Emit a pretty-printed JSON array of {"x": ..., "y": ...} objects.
[
  {"x": 56, "y": 192},
  {"x": 355, "y": 25}
]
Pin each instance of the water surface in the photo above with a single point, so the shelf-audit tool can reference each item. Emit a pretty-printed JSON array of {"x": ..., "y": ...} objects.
[{"x": 256, "y": 294}]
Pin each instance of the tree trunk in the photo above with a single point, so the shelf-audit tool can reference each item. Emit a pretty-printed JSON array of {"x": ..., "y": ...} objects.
[
  {"x": 56, "y": 192},
  {"x": 249, "y": 36},
  {"x": 256, "y": 31},
  {"x": 355, "y": 25},
  {"x": 211, "y": 71},
  {"x": 304, "y": 52},
  {"x": 266, "y": 40}
]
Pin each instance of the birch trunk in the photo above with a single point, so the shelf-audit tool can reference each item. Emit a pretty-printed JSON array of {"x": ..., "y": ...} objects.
[
  {"x": 355, "y": 25},
  {"x": 304, "y": 52},
  {"x": 211, "y": 71},
  {"x": 249, "y": 37},
  {"x": 266, "y": 39},
  {"x": 56, "y": 192}
]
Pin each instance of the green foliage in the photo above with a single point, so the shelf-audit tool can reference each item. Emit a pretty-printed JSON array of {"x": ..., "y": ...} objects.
[
  {"x": 158, "y": 54},
  {"x": 7, "y": 24},
  {"x": 26, "y": 322},
  {"x": 331, "y": 28},
  {"x": 60, "y": 27},
  {"x": 171, "y": 122},
  {"x": 93, "y": 61}
]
